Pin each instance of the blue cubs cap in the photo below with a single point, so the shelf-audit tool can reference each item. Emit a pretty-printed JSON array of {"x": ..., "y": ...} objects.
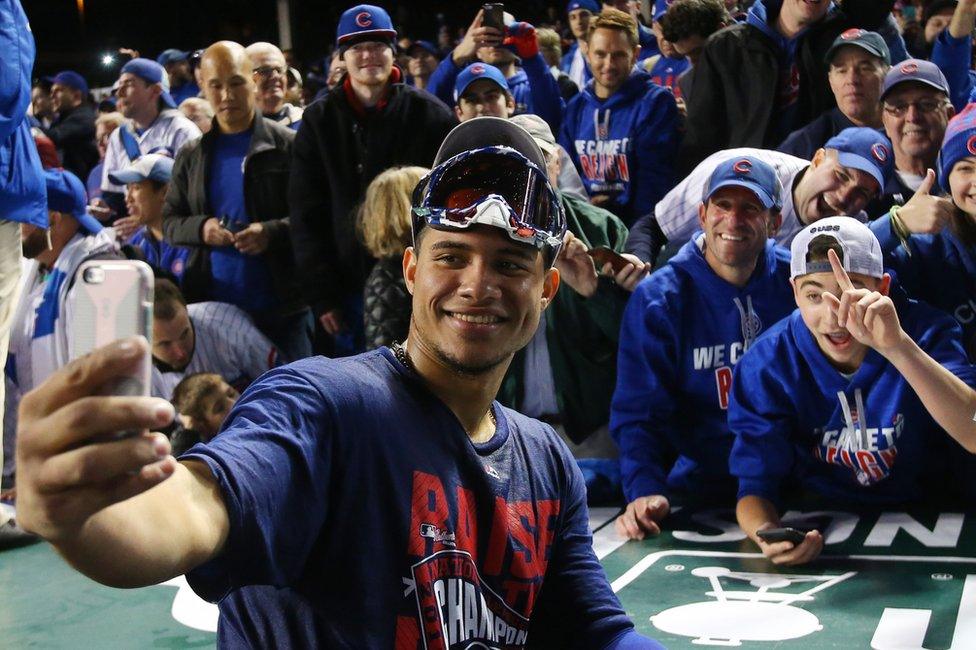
[
  {"x": 172, "y": 56},
  {"x": 364, "y": 23},
  {"x": 871, "y": 42},
  {"x": 661, "y": 8},
  {"x": 426, "y": 46},
  {"x": 959, "y": 141},
  {"x": 866, "y": 149},
  {"x": 917, "y": 70},
  {"x": 751, "y": 173},
  {"x": 473, "y": 73},
  {"x": 147, "y": 167},
  {"x": 590, "y": 5},
  {"x": 66, "y": 194},
  {"x": 71, "y": 79},
  {"x": 152, "y": 73}
]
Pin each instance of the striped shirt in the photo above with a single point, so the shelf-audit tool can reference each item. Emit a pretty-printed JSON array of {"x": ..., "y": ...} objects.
[
  {"x": 677, "y": 212},
  {"x": 226, "y": 343}
]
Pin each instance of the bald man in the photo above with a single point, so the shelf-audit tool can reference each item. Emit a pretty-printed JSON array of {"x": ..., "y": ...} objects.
[
  {"x": 228, "y": 202},
  {"x": 270, "y": 73}
]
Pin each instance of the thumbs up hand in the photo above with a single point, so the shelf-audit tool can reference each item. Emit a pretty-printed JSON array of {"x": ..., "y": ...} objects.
[{"x": 924, "y": 213}]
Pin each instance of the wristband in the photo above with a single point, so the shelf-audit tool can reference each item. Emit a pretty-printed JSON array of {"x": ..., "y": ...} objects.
[{"x": 898, "y": 227}]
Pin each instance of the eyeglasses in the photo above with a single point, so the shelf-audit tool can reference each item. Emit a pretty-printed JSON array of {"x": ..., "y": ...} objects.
[
  {"x": 269, "y": 70},
  {"x": 924, "y": 106}
]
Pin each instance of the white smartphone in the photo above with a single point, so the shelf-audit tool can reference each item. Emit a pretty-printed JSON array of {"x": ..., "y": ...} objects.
[{"x": 112, "y": 299}]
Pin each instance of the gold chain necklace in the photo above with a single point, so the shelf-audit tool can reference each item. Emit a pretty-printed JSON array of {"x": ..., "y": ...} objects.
[{"x": 400, "y": 352}]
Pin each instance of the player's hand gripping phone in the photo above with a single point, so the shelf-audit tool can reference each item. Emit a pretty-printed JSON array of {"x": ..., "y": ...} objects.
[
  {"x": 602, "y": 254},
  {"x": 773, "y": 535},
  {"x": 112, "y": 299},
  {"x": 494, "y": 16}
]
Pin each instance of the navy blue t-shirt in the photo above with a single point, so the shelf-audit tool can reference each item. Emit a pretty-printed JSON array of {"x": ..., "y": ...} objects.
[
  {"x": 241, "y": 280},
  {"x": 362, "y": 515}
]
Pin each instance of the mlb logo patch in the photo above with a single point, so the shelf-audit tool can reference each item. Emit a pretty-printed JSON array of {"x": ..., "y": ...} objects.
[
  {"x": 854, "y": 32},
  {"x": 363, "y": 19},
  {"x": 909, "y": 68},
  {"x": 971, "y": 145},
  {"x": 477, "y": 69},
  {"x": 743, "y": 166}
]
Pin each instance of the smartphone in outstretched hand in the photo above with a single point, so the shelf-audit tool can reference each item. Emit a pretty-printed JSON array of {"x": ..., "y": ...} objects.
[{"x": 111, "y": 300}]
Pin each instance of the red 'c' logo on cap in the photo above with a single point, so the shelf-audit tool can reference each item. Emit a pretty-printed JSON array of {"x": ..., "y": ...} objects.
[
  {"x": 477, "y": 69},
  {"x": 971, "y": 145},
  {"x": 854, "y": 32},
  {"x": 879, "y": 151},
  {"x": 909, "y": 68},
  {"x": 742, "y": 166},
  {"x": 363, "y": 19}
]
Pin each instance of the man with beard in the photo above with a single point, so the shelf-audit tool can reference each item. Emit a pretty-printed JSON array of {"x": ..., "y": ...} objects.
[
  {"x": 73, "y": 130},
  {"x": 271, "y": 84},
  {"x": 182, "y": 84}
]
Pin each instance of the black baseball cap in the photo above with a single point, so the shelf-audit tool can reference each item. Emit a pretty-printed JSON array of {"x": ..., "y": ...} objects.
[
  {"x": 871, "y": 42},
  {"x": 483, "y": 132}
]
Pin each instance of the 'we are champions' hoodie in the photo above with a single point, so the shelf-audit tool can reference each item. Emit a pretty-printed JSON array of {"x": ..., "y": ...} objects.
[
  {"x": 624, "y": 145},
  {"x": 683, "y": 330}
]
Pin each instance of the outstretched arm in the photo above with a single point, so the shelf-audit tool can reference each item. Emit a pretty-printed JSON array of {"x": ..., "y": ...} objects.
[
  {"x": 121, "y": 511},
  {"x": 871, "y": 319}
]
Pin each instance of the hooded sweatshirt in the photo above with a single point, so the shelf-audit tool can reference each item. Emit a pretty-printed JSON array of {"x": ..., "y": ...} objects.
[
  {"x": 788, "y": 89},
  {"x": 624, "y": 145},
  {"x": 683, "y": 330},
  {"x": 866, "y": 439}
]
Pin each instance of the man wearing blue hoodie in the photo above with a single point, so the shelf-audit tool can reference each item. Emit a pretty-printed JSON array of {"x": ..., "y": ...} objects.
[
  {"x": 851, "y": 396},
  {"x": 684, "y": 329},
  {"x": 622, "y": 130},
  {"x": 516, "y": 53},
  {"x": 758, "y": 81}
]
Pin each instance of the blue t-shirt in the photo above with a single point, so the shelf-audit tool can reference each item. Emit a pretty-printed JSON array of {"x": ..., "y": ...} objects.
[
  {"x": 241, "y": 280},
  {"x": 362, "y": 516},
  {"x": 159, "y": 253}
]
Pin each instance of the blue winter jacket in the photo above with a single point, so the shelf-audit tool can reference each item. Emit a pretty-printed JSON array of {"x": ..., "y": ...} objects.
[
  {"x": 624, "y": 146},
  {"x": 23, "y": 196}
]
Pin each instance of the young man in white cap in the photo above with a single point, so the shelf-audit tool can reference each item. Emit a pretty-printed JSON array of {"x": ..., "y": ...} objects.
[
  {"x": 146, "y": 181},
  {"x": 452, "y": 493},
  {"x": 851, "y": 396}
]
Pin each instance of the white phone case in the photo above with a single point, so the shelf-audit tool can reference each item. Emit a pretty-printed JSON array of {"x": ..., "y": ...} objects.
[{"x": 112, "y": 299}]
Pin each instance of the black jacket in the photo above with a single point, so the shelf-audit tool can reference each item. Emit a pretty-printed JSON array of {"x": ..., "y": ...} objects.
[
  {"x": 805, "y": 141},
  {"x": 336, "y": 156},
  {"x": 266, "y": 168},
  {"x": 73, "y": 133},
  {"x": 733, "y": 97},
  {"x": 386, "y": 303}
]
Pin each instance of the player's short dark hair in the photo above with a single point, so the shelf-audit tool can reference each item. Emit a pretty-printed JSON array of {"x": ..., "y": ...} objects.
[
  {"x": 818, "y": 247},
  {"x": 687, "y": 18},
  {"x": 167, "y": 298},
  {"x": 190, "y": 394}
]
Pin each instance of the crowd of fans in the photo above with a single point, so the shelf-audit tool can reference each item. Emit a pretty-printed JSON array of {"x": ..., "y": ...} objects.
[{"x": 699, "y": 141}]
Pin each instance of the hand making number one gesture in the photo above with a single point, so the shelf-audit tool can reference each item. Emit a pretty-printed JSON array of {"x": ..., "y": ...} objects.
[{"x": 869, "y": 316}]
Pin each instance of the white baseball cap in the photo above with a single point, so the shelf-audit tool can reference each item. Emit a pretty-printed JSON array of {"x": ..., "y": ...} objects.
[
  {"x": 148, "y": 166},
  {"x": 862, "y": 251}
]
